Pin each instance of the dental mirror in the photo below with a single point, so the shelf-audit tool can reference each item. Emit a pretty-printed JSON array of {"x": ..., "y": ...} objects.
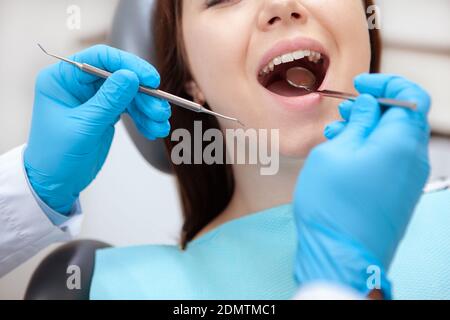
[{"x": 301, "y": 78}]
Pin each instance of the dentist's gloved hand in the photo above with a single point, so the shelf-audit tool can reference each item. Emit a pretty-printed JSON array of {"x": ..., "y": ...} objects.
[
  {"x": 74, "y": 116},
  {"x": 357, "y": 192}
]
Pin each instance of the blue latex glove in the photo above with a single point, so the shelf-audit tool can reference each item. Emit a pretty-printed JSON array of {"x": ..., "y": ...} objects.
[
  {"x": 74, "y": 116},
  {"x": 357, "y": 192}
]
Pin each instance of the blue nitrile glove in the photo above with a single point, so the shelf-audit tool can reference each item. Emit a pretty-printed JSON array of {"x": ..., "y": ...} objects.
[
  {"x": 74, "y": 117},
  {"x": 357, "y": 192}
]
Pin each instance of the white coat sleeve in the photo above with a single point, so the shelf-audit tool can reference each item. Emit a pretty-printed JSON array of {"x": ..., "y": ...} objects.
[
  {"x": 25, "y": 228},
  {"x": 326, "y": 291}
]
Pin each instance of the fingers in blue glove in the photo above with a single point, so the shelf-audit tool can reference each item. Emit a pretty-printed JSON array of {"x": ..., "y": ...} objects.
[
  {"x": 110, "y": 101},
  {"x": 107, "y": 58},
  {"x": 345, "y": 109},
  {"x": 395, "y": 87},
  {"x": 334, "y": 129},
  {"x": 156, "y": 109},
  {"x": 364, "y": 117},
  {"x": 148, "y": 127}
]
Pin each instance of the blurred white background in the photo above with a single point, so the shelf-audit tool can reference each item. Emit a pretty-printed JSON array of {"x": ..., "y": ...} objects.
[{"x": 417, "y": 45}]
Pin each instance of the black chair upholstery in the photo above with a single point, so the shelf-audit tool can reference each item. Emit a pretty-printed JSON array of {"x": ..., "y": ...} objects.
[{"x": 49, "y": 281}]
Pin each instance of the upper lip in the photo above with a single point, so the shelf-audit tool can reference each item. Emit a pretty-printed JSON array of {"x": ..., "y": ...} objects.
[{"x": 287, "y": 46}]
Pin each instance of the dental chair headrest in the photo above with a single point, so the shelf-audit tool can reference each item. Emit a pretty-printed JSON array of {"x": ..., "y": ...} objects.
[{"x": 131, "y": 31}]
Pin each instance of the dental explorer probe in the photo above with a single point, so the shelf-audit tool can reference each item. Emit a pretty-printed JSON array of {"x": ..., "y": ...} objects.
[{"x": 186, "y": 104}]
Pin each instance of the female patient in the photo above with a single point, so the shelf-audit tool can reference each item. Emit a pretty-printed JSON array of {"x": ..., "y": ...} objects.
[{"x": 239, "y": 238}]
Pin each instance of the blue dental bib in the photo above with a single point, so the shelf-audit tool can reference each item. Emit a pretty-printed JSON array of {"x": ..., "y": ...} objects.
[{"x": 253, "y": 258}]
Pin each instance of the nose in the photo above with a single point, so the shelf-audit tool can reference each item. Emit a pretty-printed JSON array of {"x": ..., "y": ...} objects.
[{"x": 281, "y": 12}]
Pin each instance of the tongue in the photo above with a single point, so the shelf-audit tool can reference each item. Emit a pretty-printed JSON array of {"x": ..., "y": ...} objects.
[{"x": 283, "y": 88}]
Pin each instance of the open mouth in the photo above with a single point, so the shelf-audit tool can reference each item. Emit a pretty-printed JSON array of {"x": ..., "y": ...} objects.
[{"x": 273, "y": 75}]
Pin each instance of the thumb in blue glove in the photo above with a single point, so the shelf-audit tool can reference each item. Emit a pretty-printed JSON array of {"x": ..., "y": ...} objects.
[
  {"x": 357, "y": 192},
  {"x": 74, "y": 116}
]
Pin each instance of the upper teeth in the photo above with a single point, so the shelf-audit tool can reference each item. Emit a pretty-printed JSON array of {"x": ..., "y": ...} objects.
[{"x": 313, "y": 56}]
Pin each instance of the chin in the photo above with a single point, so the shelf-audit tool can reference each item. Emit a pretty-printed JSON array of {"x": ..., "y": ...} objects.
[{"x": 299, "y": 143}]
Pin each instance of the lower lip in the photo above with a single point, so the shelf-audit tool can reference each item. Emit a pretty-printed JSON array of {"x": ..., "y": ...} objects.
[{"x": 306, "y": 102}]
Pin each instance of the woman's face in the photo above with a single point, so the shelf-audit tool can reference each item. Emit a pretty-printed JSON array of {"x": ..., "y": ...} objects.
[{"x": 228, "y": 43}]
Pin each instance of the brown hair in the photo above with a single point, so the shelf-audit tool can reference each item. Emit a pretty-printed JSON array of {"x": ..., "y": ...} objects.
[{"x": 205, "y": 190}]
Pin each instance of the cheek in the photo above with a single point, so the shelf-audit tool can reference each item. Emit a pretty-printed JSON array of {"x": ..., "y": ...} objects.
[
  {"x": 216, "y": 55},
  {"x": 353, "y": 34},
  {"x": 345, "y": 21}
]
